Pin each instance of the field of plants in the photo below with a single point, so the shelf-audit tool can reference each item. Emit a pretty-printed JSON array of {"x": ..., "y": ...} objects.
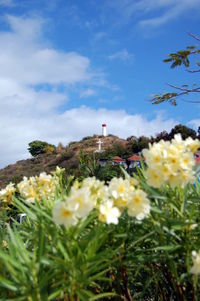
[{"x": 134, "y": 237}]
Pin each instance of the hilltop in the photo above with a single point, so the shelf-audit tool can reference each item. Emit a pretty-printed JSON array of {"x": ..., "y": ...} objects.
[{"x": 64, "y": 156}]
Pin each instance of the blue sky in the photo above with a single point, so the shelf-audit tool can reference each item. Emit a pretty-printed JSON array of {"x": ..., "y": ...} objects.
[{"x": 67, "y": 66}]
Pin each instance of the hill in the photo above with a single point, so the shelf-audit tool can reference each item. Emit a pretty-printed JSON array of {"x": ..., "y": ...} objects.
[{"x": 67, "y": 157}]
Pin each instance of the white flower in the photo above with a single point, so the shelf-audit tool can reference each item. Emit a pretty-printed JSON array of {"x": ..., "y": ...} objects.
[
  {"x": 7, "y": 193},
  {"x": 138, "y": 204},
  {"x": 195, "y": 269},
  {"x": 170, "y": 162},
  {"x": 27, "y": 189},
  {"x": 64, "y": 215},
  {"x": 193, "y": 145},
  {"x": 80, "y": 200},
  {"x": 108, "y": 213},
  {"x": 119, "y": 190},
  {"x": 94, "y": 186}
]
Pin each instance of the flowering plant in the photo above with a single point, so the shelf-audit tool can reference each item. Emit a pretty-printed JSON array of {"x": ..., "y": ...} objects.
[{"x": 135, "y": 238}]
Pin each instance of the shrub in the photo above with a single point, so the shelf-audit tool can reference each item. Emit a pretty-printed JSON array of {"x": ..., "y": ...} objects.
[
  {"x": 37, "y": 147},
  {"x": 49, "y": 149}
]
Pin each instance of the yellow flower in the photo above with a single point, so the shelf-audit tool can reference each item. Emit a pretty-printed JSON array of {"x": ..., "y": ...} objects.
[
  {"x": 195, "y": 269},
  {"x": 138, "y": 204}
]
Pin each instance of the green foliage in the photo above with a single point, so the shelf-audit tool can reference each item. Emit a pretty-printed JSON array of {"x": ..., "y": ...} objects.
[
  {"x": 162, "y": 136},
  {"x": 54, "y": 262},
  {"x": 90, "y": 167},
  {"x": 87, "y": 138},
  {"x": 49, "y": 149},
  {"x": 38, "y": 147},
  {"x": 147, "y": 260},
  {"x": 119, "y": 150},
  {"x": 177, "y": 59},
  {"x": 184, "y": 131},
  {"x": 140, "y": 144}
]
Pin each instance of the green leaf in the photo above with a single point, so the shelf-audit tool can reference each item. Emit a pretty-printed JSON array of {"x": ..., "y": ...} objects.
[
  {"x": 7, "y": 284},
  {"x": 103, "y": 295}
]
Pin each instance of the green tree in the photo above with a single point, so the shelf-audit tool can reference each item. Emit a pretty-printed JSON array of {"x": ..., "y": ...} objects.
[
  {"x": 182, "y": 58},
  {"x": 184, "y": 131},
  {"x": 38, "y": 147},
  {"x": 140, "y": 144},
  {"x": 161, "y": 136}
]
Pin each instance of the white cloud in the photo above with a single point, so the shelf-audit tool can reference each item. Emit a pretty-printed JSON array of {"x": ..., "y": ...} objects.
[
  {"x": 54, "y": 127},
  {"x": 166, "y": 10},
  {"x": 87, "y": 93},
  {"x": 6, "y": 3},
  {"x": 195, "y": 123},
  {"x": 122, "y": 55},
  {"x": 31, "y": 74},
  {"x": 30, "y": 102},
  {"x": 100, "y": 35},
  {"x": 23, "y": 57},
  {"x": 174, "y": 10}
]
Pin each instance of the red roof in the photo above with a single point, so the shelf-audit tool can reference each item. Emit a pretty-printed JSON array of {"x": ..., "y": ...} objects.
[
  {"x": 135, "y": 158},
  {"x": 197, "y": 160},
  {"x": 117, "y": 159}
]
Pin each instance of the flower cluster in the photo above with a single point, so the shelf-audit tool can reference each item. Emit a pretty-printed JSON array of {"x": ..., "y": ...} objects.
[
  {"x": 171, "y": 162},
  {"x": 109, "y": 201},
  {"x": 38, "y": 187},
  {"x": 7, "y": 193}
]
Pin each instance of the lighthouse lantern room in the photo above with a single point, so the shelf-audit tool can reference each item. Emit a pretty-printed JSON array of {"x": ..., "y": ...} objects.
[{"x": 104, "y": 130}]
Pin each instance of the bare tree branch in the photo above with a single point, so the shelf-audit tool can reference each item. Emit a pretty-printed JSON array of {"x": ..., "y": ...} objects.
[
  {"x": 192, "y": 71},
  {"x": 193, "y": 36}
]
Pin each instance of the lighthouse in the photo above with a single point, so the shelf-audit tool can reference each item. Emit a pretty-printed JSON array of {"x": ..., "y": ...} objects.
[{"x": 104, "y": 130}]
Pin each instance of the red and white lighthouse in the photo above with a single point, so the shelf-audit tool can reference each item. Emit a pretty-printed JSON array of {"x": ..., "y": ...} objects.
[{"x": 104, "y": 130}]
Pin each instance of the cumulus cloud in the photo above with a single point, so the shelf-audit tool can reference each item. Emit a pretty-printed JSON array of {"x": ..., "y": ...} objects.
[
  {"x": 31, "y": 101},
  {"x": 31, "y": 74},
  {"x": 25, "y": 59},
  {"x": 68, "y": 126}
]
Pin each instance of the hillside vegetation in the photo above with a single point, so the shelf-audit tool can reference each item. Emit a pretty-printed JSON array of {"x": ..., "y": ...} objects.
[{"x": 67, "y": 157}]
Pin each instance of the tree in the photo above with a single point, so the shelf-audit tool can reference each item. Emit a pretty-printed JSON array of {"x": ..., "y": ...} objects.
[
  {"x": 179, "y": 58},
  {"x": 161, "y": 136},
  {"x": 184, "y": 131},
  {"x": 38, "y": 147},
  {"x": 140, "y": 144}
]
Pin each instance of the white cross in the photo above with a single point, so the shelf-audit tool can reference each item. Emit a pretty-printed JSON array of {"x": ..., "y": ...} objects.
[{"x": 99, "y": 145}]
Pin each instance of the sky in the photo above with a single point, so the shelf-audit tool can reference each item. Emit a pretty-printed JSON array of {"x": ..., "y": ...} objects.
[{"x": 67, "y": 66}]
